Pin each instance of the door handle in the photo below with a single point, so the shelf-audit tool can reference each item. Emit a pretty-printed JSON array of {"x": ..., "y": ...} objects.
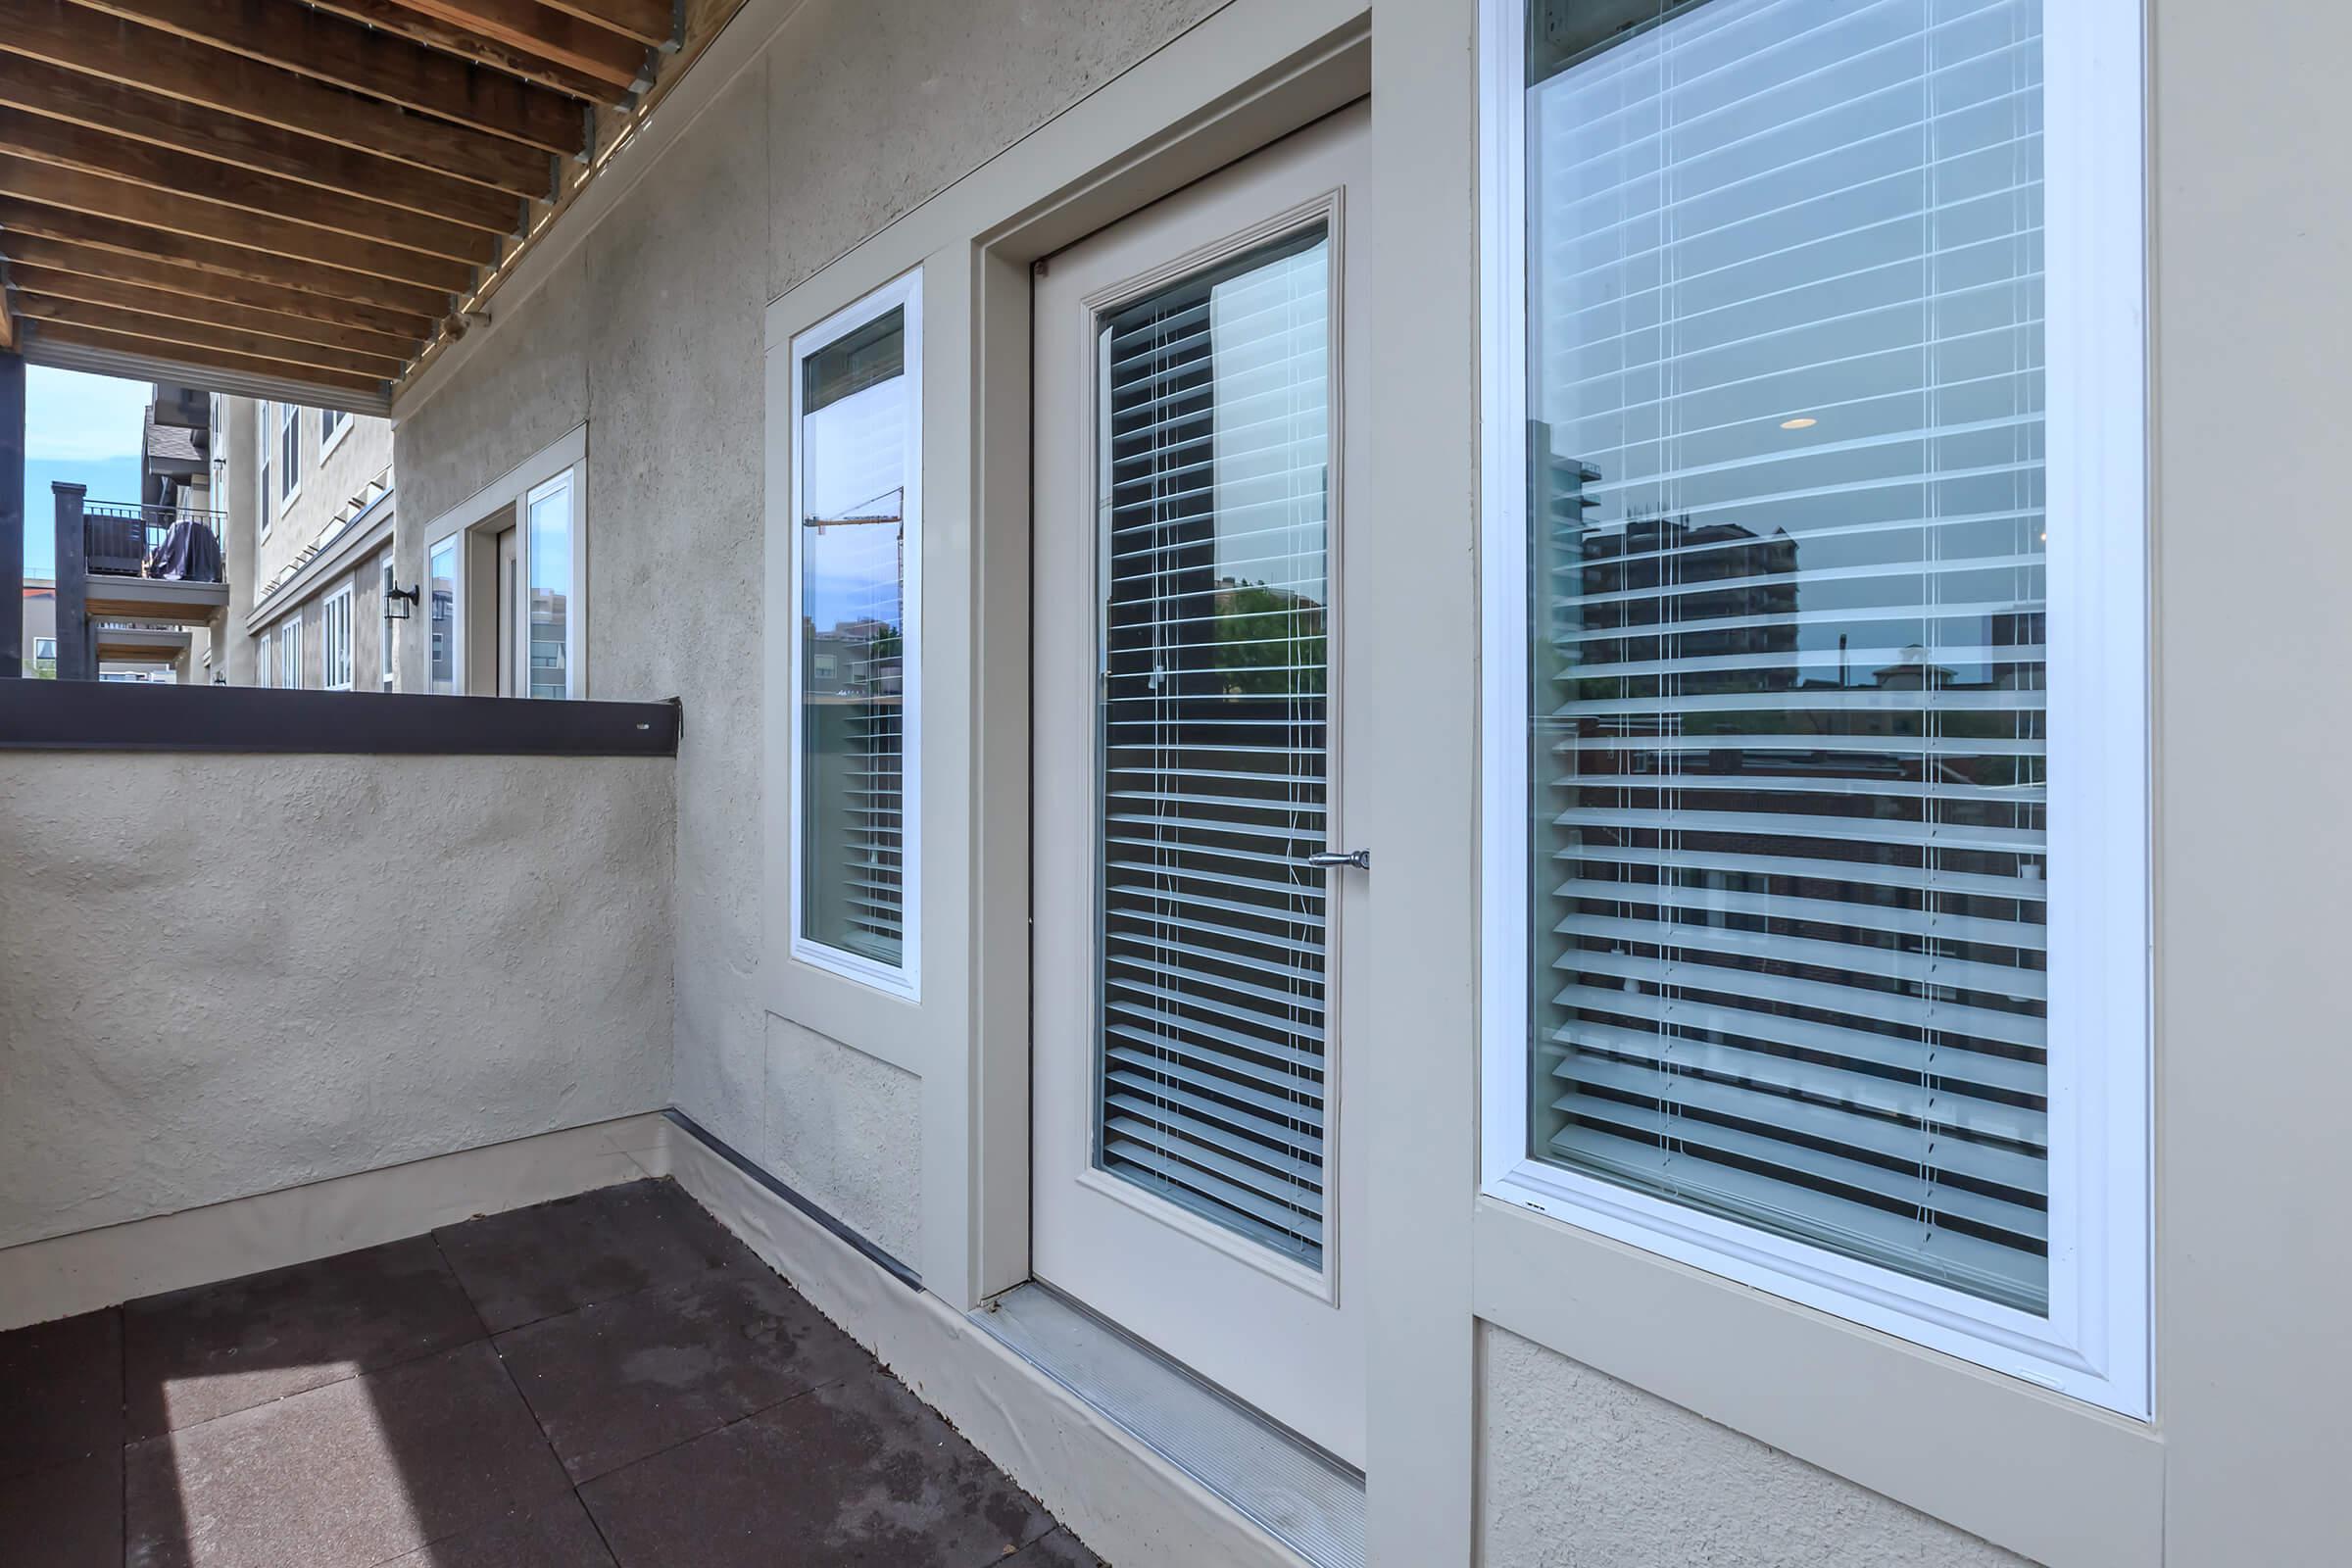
[{"x": 1361, "y": 859}]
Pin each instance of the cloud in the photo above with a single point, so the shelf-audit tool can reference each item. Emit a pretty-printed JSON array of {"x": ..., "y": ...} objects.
[{"x": 72, "y": 417}]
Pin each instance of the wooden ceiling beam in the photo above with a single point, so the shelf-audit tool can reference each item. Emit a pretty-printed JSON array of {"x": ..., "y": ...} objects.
[
  {"x": 344, "y": 53},
  {"x": 468, "y": 42},
  {"x": 233, "y": 189},
  {"x": 187, "y": 333},
  {"x": 652, "y": 23},
  {"x": 78, "y": 39},
  {"x": 65, "y": 283},
  {"x": 538, "y": 30},
  {"x": 219, "y": 358},
  {"x": 190, "y": 264},
  {"x": 46, "y": 184},
  {"x": 188, "y": 128}
]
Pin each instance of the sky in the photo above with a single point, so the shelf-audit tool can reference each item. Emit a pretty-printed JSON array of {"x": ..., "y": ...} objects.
[{"x": 80, "y": 428}]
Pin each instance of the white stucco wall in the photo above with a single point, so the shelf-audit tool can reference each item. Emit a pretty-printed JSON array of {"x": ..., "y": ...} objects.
[
  {"x": 221, "y": 975},
  {"x": 1583, "y": 1471},
  {"x": 650, "y": 331}
]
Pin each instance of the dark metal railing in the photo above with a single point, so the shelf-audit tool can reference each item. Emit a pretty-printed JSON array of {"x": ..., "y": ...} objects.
[{"x": 118, "y": 537}]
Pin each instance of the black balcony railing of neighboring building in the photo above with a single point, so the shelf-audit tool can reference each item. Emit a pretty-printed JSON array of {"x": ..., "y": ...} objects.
[{"x": 126, "y": 539}]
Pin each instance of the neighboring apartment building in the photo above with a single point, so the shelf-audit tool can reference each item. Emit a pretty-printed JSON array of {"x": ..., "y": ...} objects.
[{"x": 311, "y": 508}]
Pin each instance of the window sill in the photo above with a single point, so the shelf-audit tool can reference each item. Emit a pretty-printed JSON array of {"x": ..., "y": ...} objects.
[{"x": 2064, "y": 1482}]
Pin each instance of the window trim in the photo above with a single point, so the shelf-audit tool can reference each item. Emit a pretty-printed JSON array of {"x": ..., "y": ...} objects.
[
  {"x": 329, "y": 613},
  {"x": 565, "y": 480},
  {"x": 290, "y": 652},
  {"x": 904, "y": 980},
  {"x": 2094, "y": 1345},
  {"x": 265, "y": 658},
  {"x": 263, "y": 432},
  {"x": 289, "y": 423},
  {"x": 385, "y": 582},
  {"x": 331, "y": 436}
]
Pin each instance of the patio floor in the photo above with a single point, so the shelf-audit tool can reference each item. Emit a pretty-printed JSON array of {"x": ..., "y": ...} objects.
[{"x": 609, "y": 1379}]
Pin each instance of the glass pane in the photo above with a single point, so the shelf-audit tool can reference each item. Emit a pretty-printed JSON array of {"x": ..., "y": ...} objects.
[
  {"x": 551, "y": 593},
  {"x": 1216, "y": 488},
  {"x": 1785, "y": 390},
  {"x": 856, "y": 418},
  {"x": 442, "y": 571}
]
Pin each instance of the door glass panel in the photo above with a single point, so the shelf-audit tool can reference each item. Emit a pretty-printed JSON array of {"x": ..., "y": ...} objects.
[{"x": 1214, "y": 490}]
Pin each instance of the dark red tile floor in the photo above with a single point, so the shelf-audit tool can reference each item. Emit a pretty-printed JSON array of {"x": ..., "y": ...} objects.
[{"x": 611, "y": 1379}]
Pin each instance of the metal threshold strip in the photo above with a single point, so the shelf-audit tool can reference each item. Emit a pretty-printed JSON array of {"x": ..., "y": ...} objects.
[{"x": 1297, "y": 1494}]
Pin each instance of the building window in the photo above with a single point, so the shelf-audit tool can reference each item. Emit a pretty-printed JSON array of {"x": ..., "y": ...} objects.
[
  {"x": 385, "y": 585},
  {"x": 264, "y": 497},
  {"x": 290, "y": 652},
  {"x": 1802, "y": 957},
  {"x": 334, "y": 640},
  {"x": 264, "y": 668},
  {"x": 857, "y": 483},
  {"x": 441, "y": 584},
  {"x": 334, "y": 426},
  {"x": 44, "y": 658},
  {"x": 547, "y": 628},
  {"x": 289, "y": 453}
]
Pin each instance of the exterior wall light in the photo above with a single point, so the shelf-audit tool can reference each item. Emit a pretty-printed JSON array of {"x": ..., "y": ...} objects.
[{"x": 397, "y": 600}]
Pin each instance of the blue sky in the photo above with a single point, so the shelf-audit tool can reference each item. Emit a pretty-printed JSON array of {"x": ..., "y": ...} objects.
[{"x": 78, "y": 427}]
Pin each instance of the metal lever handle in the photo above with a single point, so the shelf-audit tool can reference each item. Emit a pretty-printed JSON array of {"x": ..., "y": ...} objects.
[{"x": 1361, "y": 859}]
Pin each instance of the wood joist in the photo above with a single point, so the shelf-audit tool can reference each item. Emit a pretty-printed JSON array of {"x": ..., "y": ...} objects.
[{"x": 286, "y": 190}]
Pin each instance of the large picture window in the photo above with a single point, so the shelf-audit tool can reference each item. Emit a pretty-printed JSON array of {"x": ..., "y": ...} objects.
[
  {"x": 857, "y": 547},
  {"x": 1814, "y": 668}
]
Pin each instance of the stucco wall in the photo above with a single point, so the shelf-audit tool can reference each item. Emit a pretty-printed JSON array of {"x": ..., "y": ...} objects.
[
  {"x": 1583, "y": 1471},
  {"x": 224, "y": 975},
  {"x": 651, "y": 331}
]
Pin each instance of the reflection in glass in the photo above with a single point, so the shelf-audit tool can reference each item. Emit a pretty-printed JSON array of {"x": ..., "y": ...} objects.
[
  {"x": 855, "y": 424},
  {"x": 549, "y": 548},
  {"x": 1215, "y": 468},
  {"x": 442, "y": 571},
  {"x": 1788, "y": 729}
]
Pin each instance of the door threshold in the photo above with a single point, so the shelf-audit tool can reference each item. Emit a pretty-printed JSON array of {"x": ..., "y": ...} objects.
[{"x": 1301, "y": 1496}]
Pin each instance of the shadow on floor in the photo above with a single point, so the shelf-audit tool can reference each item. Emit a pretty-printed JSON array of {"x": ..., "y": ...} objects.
[{"x": 611, "y": 1378}]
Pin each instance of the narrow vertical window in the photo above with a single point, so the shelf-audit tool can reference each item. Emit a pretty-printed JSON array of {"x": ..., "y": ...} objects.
[
  {"x": 1783, "y": 754},
  {"x": 441, "y": 590},
  {"x": 264, "y": 668},
  {"x": 334, "y": 640},
  {"x": 384, "y": 584},
  {"x": 289, "y": 452},
  {"x": 857, "y": 464},
  {"x": 547, "y": 628},
  {"x": 264, "y": 436}
]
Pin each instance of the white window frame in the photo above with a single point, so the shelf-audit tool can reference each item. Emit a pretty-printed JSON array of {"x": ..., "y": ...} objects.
[
  {"x": 289, "y": 440},
  {"x": 904, "y": 980},
  {"x": 334, "y": 426},
  {"x": 335, "y": 660},
  {"x": 290, "y": 652},
  {"x": 264, "y": 432},
  {"x": 563, "y": 482},
  {"x": 2095, "y": 1345},
  {"x": 454, "y": 544},
  {"x": 385, "y": 582},
  {"x": 264, "y": 662}
]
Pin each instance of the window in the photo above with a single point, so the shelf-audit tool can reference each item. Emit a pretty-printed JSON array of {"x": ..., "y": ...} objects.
[
  {"x": 264, "y": 497},
  {"x": 44, "y": 658},
  {"x": 1815, "y": 706},
  {"x": 547, "y": 627},
  {"x": 334, "y": 426},
  {"x": 290, "y": 652},
  {"x": 289, "y": 453},
  {"x": 441, "y": 573},
  {"x": 264, "y": 668},
  {"x": 334, "y": 640},
  {"x": 856, "y": 479},
  {"x": 385, "y": 585}
]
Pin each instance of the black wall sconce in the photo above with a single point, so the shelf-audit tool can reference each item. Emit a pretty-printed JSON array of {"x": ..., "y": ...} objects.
[{"x": 397, "y": 600}]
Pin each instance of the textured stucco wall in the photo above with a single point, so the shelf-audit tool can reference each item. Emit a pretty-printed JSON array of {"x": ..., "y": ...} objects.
[
  {"x": 650, "y": 332},
  {"x": 224, "y": 975},
  {"x": 1578, "y": 1470}
]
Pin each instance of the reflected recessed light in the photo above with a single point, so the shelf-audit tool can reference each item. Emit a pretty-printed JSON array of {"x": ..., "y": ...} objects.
[{"x": 1799, "y": 424}]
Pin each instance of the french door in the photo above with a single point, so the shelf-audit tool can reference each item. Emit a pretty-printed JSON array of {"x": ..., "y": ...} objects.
[{"x": 1193, "y": 1175}]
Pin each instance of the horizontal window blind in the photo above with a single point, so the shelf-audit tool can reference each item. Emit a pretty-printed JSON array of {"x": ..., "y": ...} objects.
[
  {"x": 1215, "y": 453},
  {"x": 1787, "y": 717}
]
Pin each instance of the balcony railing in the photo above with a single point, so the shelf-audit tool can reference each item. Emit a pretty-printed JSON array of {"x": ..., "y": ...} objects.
[{"x": 120, "y": 539}]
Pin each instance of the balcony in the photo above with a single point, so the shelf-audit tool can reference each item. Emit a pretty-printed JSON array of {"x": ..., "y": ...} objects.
[{"x": 157, "y": 568}]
